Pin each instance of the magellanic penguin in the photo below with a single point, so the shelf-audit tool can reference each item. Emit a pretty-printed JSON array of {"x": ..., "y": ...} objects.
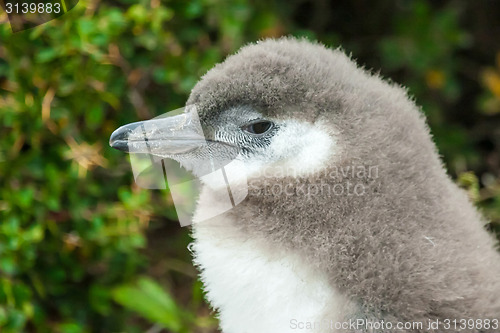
[{"x": 351, "y": 223}]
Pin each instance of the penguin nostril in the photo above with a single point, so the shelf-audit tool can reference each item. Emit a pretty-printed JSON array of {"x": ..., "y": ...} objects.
[{"x": 259, "y": 127}]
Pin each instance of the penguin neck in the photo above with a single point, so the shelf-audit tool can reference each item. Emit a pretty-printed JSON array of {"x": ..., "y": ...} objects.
[{"x": 256, "y": 285}]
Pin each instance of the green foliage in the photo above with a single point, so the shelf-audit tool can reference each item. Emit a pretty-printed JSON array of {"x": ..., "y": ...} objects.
[
  {"x": 152, "y": 302},
  {"x": 74, "y": 241}
]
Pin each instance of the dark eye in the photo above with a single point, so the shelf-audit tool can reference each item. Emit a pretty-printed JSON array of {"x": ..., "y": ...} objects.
[{"x": 258, "y": 127}]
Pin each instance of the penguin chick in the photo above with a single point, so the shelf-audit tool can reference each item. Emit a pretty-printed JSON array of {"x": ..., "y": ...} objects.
[{"x": 350, "y": 215}]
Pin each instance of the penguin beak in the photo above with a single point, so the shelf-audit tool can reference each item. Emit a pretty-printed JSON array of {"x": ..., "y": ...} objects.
[{"x": 168, "y": 136}]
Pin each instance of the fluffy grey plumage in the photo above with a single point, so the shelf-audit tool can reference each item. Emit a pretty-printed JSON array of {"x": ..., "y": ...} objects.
[
  {"x": 409, "y": 248},
  {"x": 412, "y": 248}
]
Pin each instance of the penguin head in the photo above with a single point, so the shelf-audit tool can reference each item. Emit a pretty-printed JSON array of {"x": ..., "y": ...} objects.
[
  {"x": 292, "y": 111},
  {"x": 260, "y": 104}
]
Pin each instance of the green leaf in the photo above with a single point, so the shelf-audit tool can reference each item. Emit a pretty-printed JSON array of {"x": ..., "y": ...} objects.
[{"x": 152, "y": 302}]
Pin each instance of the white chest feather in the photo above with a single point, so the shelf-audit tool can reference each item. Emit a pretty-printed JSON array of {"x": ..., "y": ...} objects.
[{"x": 258, "y": 292}]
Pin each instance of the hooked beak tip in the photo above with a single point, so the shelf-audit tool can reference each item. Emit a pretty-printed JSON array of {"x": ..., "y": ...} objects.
[
  {"x": 120, "y": 137},
  {"x": 119, "y": 145}
]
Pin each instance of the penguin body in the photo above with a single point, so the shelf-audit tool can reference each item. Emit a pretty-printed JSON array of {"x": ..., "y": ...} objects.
[
  {"x": 350, "y": 213},
  {"x": 411, "y": 248}
]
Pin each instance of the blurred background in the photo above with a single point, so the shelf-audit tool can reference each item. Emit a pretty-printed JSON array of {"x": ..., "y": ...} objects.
[{"x": 82, "y": 248}]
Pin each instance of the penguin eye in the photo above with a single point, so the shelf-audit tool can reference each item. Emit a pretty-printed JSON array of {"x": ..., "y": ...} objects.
[{"x": 258, "y": 127}]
